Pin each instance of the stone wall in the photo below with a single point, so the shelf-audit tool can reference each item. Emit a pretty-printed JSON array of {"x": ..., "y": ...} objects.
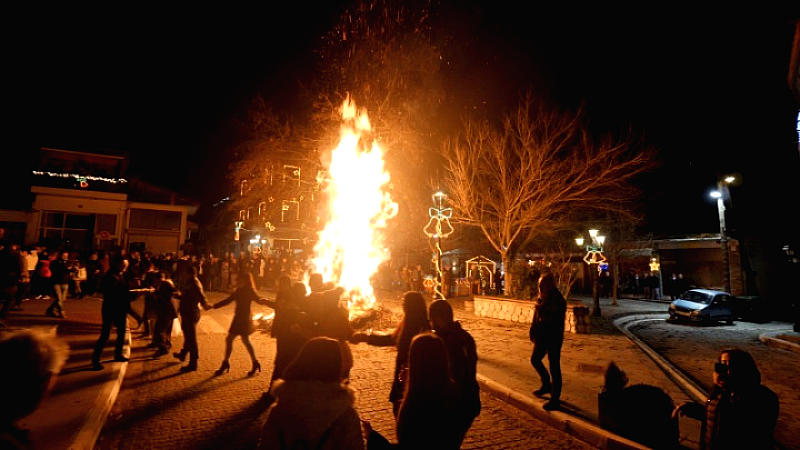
[{"x": 577, "y": 320}]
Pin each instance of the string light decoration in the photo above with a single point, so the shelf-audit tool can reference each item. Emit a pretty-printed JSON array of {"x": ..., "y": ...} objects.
[
  {"x": 438, "y": 228},
  {"x": 80, "y": 178}
]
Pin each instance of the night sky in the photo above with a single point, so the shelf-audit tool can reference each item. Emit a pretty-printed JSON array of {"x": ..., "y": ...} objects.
[{"x": 708, "y": 88}]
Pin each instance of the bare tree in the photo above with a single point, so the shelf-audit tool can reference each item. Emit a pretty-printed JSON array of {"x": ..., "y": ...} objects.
[{"x": 526, "y": 175}]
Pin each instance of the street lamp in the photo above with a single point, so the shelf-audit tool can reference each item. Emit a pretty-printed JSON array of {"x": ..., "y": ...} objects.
[
  {"x": 720, "y": 194},
  {"x": 438, "y": 228},
  {"x": 594, "y": 257}
]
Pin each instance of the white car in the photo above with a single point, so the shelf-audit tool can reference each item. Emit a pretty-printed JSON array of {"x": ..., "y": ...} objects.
[{"x": 703, "y": 305}]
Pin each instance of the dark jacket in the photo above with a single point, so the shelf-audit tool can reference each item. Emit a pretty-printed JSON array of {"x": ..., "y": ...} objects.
[
  {"x": 61, "y": 271},
  {"x": 463, "y": 356},
  {"x": 744, "y": 420},
  {"x": 548, "y": 318},
  {"x": 191, "y": 298},
  {"x": 117, "y": 295}
]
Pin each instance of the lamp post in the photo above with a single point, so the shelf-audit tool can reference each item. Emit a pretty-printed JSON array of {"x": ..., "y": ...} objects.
[
  {"x": 720, "y": 194},
  {"x": 594, "y": 257},
  {"x": 438, "y": 228}
]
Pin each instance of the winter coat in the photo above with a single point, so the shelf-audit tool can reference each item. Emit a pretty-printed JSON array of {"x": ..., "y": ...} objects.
[
  {"x": 744, "y": 420},
  {"x": 312, "y": 415},
  {"x": 191, "y": 298},
  {"x": 548, "y": 318},
  {"x": 463, "y": 367}
]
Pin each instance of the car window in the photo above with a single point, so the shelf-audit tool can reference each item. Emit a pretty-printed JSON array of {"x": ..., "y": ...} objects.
[{"x": 697, "y": 297}]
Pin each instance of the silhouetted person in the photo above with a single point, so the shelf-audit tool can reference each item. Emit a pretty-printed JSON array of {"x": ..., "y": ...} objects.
[
  {"x": 31, "y": 362},
  {"x": 190, "y": 298},
  {"x": 313, "y": 408},
  {"x": 165, "y": 314},
  {"x": 641, "y": 412},
  {"x": 428, "y": 416},
  {"x": 740, "y": 412},
  {"x": 242, "y": 323},
  {"x": 414, "y": 322},
  {"x": 547, "y": 335},
  {"x": 117, "y": 297},
  {"x": 288, "y": 305},
  {"x": 327, "y": 317},
  {"x": 463, "y": 356}
]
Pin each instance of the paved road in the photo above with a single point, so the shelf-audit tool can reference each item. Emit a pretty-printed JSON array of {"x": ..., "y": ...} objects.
[
  {"x": 161, "y": 408},
  {"x": 693, "y": 349}
]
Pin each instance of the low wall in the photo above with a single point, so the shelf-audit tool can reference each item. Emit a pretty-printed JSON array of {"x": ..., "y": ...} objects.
[{"x": 577, "y": 320}]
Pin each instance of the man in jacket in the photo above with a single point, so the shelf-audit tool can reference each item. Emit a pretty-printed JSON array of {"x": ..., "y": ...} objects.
[
  {"x": 463, "y": 356},
  {"x": 60, "y": 273}
]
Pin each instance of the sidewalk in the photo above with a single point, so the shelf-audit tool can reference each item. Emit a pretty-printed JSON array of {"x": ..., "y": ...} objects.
[
  {"x": 73, "y": 415},
  {"x": 78, "y": 407}
]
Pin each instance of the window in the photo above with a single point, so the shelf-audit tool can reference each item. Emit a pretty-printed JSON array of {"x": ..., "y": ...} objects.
[{"x": 150, "y": 219}]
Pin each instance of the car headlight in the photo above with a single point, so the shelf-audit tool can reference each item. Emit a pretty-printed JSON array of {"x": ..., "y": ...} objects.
[{"x": 696, "y": 313}]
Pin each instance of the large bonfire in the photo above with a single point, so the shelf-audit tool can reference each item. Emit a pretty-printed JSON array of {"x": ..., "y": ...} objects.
[{"x": 351, "y": 246}]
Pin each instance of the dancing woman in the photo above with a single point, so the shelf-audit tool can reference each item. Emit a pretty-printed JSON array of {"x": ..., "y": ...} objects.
[{"x": 242, "y": 323}]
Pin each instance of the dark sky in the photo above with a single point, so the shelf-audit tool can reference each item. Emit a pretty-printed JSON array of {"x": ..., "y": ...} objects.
[{"x": 706, "y": 87}]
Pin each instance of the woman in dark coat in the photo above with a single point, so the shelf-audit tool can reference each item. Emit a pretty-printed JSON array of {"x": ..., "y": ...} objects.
[
  {"x": 242, "y": 323},
  {"x": 191, "y": 298},
  {"x": 547, "y": 335},
  {"x": 288, "y": 305},
  {"x": 414, "y": 322},
  {"x": 428, "y": 416}
]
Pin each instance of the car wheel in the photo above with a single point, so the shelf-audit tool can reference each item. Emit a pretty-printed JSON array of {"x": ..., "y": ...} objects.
[
  {"x": 706, "y": 320},
  {"x": 729, "y": 320}
]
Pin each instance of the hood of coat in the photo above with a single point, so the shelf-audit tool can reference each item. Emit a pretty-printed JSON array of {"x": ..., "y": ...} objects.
[{"x": 309, "y": 408}]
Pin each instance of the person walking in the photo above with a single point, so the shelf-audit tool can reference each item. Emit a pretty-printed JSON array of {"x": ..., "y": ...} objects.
[
  {"x": 117, "y": 297},
  {"x": 313, "y": 408},
  {"x": 61, "y": 269},
  {"x": 414, "y": 322},
  {"x": 463, "y": 355},
  {"x": 547, "y": 334},
  {"x": 190, "y": 298},
  {"x": 242, "y": 323},
  {"x": 740, "y": 411}
]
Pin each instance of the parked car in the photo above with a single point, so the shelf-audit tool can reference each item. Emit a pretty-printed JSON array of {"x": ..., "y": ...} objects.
[{"x": 703, "y": 305}]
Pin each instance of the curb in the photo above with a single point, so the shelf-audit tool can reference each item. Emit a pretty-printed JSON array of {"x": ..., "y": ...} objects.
[
  {"x": 772, "y": 338},
  {"x": 697, "y": 393},
  {"x": 584, "y": 430},
  {"x": 86, "y": 438}
]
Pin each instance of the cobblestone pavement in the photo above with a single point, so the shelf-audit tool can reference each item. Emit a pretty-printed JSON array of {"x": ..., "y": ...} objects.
[{"x": 161, "y": 408}]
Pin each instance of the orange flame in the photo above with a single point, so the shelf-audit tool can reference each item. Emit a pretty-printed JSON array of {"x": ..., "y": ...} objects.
[{"x": 351, "y": 247}]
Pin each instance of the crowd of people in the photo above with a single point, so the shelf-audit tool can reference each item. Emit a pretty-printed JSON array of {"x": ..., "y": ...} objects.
[{"x": 434, "y": 391}]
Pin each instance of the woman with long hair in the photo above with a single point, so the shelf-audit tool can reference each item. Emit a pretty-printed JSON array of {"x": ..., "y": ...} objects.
[
  {"x": 242, "y": 323},
  {"x": 414, "y": 322},
  {"x": 313, "y": 408},
  {"x": 428, "y": 417}
]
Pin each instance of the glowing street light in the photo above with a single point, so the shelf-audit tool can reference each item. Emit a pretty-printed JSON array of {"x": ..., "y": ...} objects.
[
  {"x": 720, "y": 194},
  {"x": 594, "y": 257}
]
